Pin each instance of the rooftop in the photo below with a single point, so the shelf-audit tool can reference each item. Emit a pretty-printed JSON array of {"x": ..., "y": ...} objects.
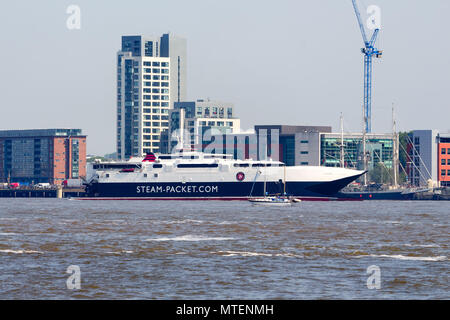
[{"x": 40, "y": 133}]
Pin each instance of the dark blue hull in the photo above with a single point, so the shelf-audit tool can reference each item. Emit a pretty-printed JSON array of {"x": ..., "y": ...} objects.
[
  {"x": 214, "y": 190},
  {"x": 376, "y": 195}
]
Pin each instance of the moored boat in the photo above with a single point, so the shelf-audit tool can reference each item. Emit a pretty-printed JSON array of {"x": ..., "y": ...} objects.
[{"x": 271, "y": 201}]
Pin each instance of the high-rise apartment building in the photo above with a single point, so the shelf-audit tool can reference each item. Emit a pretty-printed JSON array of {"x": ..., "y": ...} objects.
[
  {"x": 174, "y": 47},
  {"x": 151, "y": 75}
]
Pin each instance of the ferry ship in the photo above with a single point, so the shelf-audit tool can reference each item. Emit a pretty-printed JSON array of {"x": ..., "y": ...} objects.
[{"x": 195, "y": 175}]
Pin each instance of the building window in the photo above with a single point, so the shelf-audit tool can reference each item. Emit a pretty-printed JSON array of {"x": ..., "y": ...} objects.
[
  {"x": 304, "y": 163},
  {"x": 304, "y": 141},
  {"x": 443, "y": 151},
  {"x": 304, "y": 152},
  {"x": 443, "y": 162}
]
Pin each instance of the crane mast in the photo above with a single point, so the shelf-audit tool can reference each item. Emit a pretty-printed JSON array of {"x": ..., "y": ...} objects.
[{"x": 369, "y": 51}]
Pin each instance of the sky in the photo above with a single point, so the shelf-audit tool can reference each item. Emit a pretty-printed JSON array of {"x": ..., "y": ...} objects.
[{"x": 289, "y": 62}]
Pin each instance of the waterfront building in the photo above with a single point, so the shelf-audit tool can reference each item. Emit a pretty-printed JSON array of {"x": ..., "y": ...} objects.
[
  {"x": 151, "y": 76},
  {"x": 444, "y": 159},
  {"x": 295, "y": 145},
  {"x": 422, "y": 160},
  {"x": 42, "y": 155},
  {"x": 428, "y": 158},
  {"x": 194, "y": 123},
  {"x": 379, "y": 150},
  {"x": 318, "y": 146}
]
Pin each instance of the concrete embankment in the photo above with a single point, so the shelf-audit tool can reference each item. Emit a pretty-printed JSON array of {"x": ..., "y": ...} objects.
[
  {"x": 436, "y": 194},
  {"x": 41, "y": 193}
]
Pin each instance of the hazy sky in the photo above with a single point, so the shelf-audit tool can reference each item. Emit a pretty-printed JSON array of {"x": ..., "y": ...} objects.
[{"x": 280, "y": 62}]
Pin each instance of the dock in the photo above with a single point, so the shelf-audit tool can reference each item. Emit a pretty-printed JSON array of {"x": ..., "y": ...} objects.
[{"x": 42, "y": 193}]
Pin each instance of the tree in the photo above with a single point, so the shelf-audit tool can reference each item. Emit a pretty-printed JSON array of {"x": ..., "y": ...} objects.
[{"x": 381, "y": 174}]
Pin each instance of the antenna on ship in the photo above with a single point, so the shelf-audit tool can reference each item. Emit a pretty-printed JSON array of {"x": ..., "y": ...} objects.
[
  {"x": 395, "y": 143},
  {"x": 342, "y": 162},
  {"x": 364, "y": 157}
]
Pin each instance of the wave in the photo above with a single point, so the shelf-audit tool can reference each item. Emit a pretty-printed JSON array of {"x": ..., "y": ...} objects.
[
  {"x": 422, "y": 245},
  {"x": 120, "y": 252},
  {"x": 190, "y": 238},
  {"x": 254, "y": 254},
  {"x": 402, "y": 257},
  {"x": 20, "y": 251},
  {"x": 178, "y": 221}
]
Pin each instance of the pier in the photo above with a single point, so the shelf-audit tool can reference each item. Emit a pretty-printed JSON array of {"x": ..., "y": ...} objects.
[{"x": 42, "y": 193}]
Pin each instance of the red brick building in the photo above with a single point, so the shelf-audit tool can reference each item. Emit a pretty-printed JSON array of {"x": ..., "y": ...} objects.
[
  {"x": 444, "y": 162},
  {"x": 43, "y": 155}
]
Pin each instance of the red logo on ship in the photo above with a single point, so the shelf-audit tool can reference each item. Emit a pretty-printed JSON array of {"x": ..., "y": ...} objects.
[{"x": 240, "y": 176}]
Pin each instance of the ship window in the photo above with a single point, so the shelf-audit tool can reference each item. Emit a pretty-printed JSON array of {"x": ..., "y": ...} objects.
[
  {"x": 155, "y": 175},
  {"x": 242, "y": 165},
  {"x": 145, "y": 175},
  {"x": 107, "y": 175},
  {"x": 198, "y": 165},
  {"x": 156, "y": 166},
  {"x": 258, "y": 165},
  {"x": 117, "y": 166}
]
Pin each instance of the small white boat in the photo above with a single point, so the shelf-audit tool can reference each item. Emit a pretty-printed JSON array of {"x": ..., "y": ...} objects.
[
  {"x": 272, "y": 201},
  {"x": 275, "y": 200}
]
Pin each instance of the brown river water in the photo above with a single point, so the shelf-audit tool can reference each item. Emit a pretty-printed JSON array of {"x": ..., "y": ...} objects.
[{"x": 223, "y": 250}]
